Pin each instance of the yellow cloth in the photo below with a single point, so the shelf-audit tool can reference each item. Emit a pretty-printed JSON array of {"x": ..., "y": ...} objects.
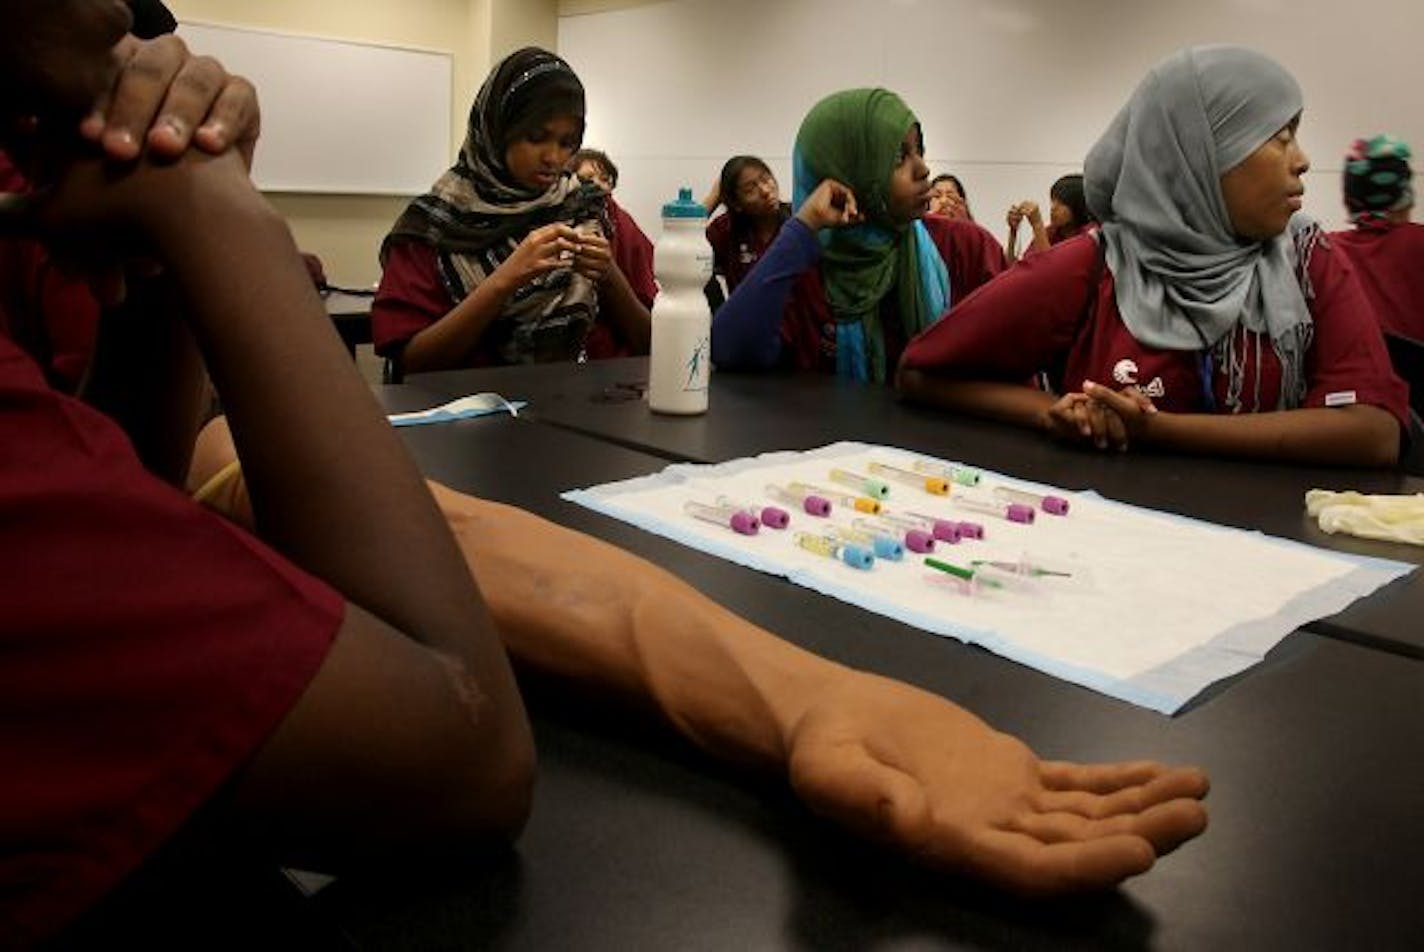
[{"x": 1392, "y": 518}]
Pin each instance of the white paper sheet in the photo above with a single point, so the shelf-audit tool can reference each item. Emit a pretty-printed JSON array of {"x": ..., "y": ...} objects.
[{"x": 1157, "y": 606}]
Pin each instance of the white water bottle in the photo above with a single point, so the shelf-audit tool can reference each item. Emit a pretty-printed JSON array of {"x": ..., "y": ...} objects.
[{"x": 681, "y": 347}]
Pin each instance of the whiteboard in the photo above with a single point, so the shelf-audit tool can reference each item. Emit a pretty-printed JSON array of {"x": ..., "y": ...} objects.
[{"x": 338, "y": 116}]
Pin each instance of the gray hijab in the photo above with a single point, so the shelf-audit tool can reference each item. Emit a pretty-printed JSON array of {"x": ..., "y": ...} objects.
[{"x": 1183, "y": 279}]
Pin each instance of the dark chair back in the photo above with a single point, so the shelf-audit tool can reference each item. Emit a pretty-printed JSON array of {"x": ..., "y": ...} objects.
[{"x": 1407, "y": 356}]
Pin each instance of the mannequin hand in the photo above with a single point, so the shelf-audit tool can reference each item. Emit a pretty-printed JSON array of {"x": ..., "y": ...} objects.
[{"x": 907, "y": 768}]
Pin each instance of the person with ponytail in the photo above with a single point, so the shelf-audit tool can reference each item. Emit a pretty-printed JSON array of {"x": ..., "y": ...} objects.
[
  {"x": 506, "y": 259},
  {"x": 1209, "y": 316},
  {"x": 755, "y": 213},
  {"x": 1068, "y": 216},
  {"x": 858, "y": 270}
]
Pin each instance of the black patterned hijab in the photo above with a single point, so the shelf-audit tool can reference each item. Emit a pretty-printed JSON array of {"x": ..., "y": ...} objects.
[{"x": 476, "y": 214}]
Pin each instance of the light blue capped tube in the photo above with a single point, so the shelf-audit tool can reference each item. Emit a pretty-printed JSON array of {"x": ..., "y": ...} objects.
[
  {"x": 883, "y": 545},
  {"x": 853, "y": 555}
]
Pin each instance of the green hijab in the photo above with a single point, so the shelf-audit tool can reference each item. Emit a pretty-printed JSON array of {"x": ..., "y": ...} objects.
[{"x": 855, "y": 137}]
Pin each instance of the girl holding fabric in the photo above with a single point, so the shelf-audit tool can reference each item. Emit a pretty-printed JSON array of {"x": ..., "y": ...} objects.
[
  {"x": 506, "y": 259},
  {"x": 857, "y": 270},
  {"x": 1209, "y": 317}
]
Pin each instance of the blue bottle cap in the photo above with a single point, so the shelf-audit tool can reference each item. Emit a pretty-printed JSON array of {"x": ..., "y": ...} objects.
[{"x": 684, "y": 207}]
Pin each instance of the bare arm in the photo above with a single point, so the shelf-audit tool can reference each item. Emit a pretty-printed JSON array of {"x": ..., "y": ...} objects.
[
  {"x": 448, "y": 343},
  {"x": 626, "y": 314},
  {"x": 1359, "y": 435},
  {"x": 304, "y": 421},
  {"x": 992, "y": 400},
  {"x": 146, "y": 374},
  {"x": 1034, "y": 216},
  {"x": 891, "y": 762}
]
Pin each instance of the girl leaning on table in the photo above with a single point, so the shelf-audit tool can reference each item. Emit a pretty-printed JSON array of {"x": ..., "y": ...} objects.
[
  {"x": 506, "y": 259},
  {"x": 1210, "y": 316}
]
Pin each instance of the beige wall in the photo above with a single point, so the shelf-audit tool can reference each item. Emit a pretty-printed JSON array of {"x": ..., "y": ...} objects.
[
  {"x": 517, "y": 23},
  {"x": 346, "y": 230},
  {"x": 573, "y": 8}
]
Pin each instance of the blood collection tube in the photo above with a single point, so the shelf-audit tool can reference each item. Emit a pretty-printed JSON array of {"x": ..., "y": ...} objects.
[
  {"x": 811, "y": 503},
  {"x": 739, "y": 521},
  {"x": 858, "y": 503},
  {"x": 832, "y": 548},
  {"x": 1012, "y": 511},
  {"x": 1053, "y": 505},
  {"x": 884, "y": 545},
  {"x": 945, "y": 530},
  {"x": 773, "y": 517},
  {"x": 916, "y": 539},
  {"x": 869, "y": 485},
  {"x": 959, "y": 475},
  {"x": 936, "y": 485}
]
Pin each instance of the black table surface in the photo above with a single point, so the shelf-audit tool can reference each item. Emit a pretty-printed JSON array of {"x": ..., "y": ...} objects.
[
  {"x": 637, "y": 841},
  {"x": 759, "y": 413}
]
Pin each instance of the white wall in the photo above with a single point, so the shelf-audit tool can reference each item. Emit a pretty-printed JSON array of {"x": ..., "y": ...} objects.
[{"x": 1011, "y": 93}]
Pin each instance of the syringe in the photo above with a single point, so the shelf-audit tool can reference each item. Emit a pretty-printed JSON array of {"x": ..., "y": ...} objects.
[
  {"x": 962, "y": 573},
  {"x": 832, "y": 548},
  {"x": 773, "y": 517},
  {"x": 937, "y": 485},
  {"x": 811, "y": 503},
  {"x": 739, "y": 521},
  {"x": 1053, "y": 505}
]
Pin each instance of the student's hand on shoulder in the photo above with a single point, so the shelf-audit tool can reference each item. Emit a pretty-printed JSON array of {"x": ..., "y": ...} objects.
[
  {"x": 909, "y": 769},
  {"x": 165, "y": 99},
  {"x": 542, "y": 250},
  {"x": 831, "y": 205}
]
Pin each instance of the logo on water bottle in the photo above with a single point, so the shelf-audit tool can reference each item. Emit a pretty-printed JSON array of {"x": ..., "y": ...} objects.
[{"x": 694, "y": 365}]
